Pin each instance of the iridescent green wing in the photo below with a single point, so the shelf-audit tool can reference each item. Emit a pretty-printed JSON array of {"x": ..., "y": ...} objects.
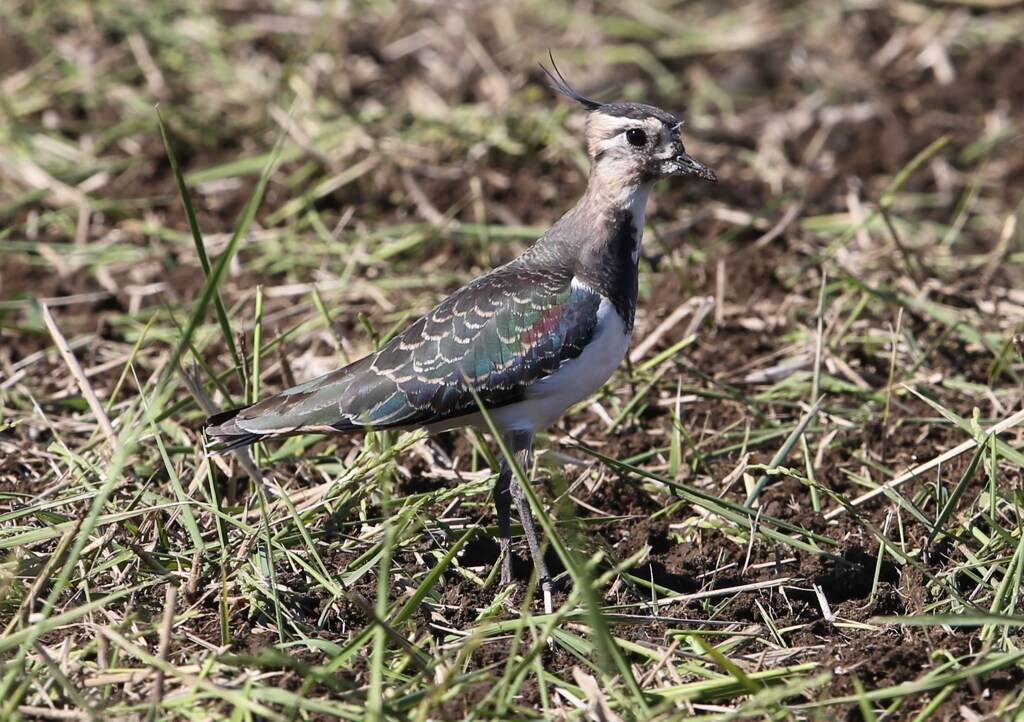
[{"x": 498, "y": 335}]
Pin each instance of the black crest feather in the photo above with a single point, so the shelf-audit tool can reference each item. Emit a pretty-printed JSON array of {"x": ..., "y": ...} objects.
[{"x": 559, "y": 83}]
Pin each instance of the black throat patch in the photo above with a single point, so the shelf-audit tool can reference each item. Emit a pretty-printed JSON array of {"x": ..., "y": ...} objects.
[{"x": 609, "y": 268}]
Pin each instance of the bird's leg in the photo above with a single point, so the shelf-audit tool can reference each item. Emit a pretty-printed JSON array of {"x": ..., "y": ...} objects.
[
  {"x": 529, "y": 526},
  {"x": 503, "y": 508},
  {"x": 509, "y": 489}
]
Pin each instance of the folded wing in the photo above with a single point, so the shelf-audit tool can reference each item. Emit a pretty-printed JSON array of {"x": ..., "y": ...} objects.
[{"x": 497, "y": 335}]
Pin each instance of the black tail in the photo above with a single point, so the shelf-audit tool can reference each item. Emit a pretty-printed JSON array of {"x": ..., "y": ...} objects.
[{"x": 226, "y": 434}]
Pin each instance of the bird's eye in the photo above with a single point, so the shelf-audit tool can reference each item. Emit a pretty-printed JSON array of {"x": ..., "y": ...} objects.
[{"x": 636, "y": 137}]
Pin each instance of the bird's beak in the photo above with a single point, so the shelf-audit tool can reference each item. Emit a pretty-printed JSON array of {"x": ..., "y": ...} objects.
[{"x": 686, "y": 165}]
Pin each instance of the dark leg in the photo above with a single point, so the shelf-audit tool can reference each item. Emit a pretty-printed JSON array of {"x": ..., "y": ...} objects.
[
  {"x": 503, "y": 507},
  {"x": 508, "y": 490}
]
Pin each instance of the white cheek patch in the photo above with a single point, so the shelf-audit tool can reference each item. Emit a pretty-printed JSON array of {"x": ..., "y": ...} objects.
[{"x": 610, "y": 134}]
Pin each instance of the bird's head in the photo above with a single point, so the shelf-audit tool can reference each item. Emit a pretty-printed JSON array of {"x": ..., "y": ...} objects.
[{"x": 632, "y": 142}]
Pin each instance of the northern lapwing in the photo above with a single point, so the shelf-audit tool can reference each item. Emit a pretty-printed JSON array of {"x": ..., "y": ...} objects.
[{"x": 528, "y": 339}]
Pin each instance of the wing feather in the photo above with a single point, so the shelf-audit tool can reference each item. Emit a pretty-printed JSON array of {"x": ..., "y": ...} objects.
[{"x": 497, "y": 335}]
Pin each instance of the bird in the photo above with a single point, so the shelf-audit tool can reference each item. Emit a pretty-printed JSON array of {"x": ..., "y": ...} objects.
[{"x": 525, "y": 341}]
